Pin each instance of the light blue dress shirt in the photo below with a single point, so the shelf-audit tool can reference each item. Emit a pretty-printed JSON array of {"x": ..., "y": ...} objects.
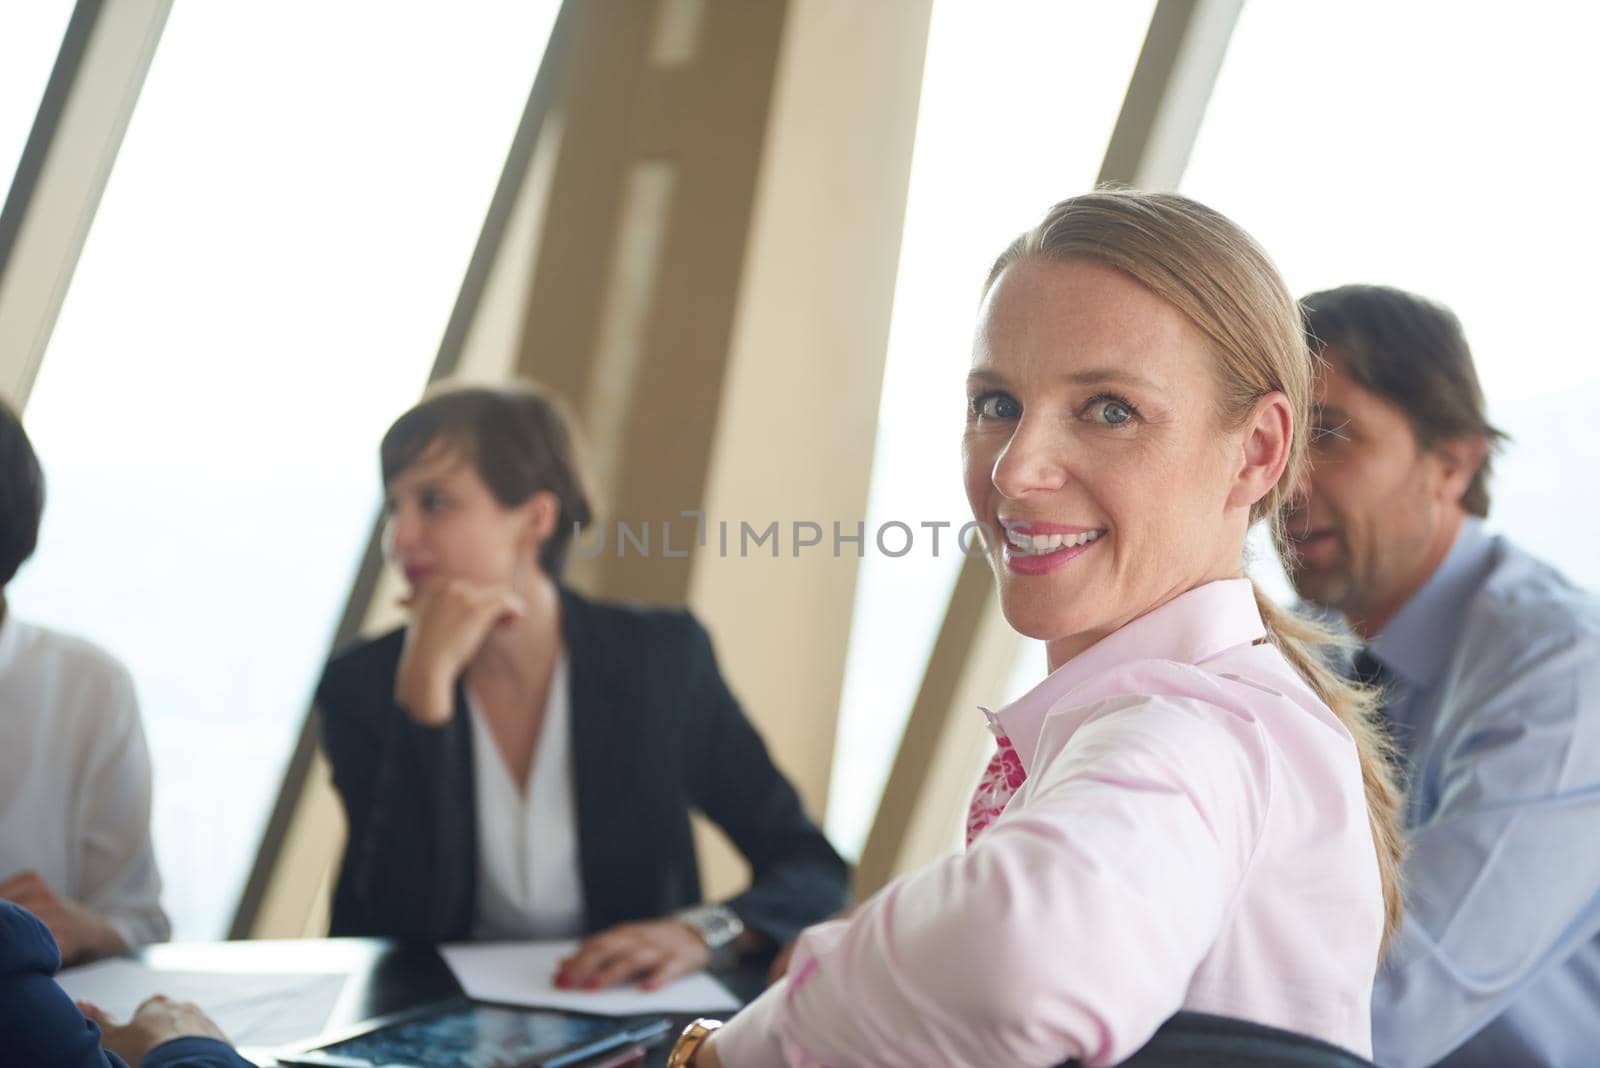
[{"x": 1495, "y": 704}]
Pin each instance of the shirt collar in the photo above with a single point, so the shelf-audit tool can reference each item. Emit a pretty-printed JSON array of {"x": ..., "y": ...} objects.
[
  {"x": 1191, "y": 628},
  {"x": 1417, "y": 642}
]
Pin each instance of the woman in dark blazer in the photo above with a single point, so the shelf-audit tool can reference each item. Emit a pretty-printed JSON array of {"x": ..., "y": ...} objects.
[{"x": 484, "y": 496}]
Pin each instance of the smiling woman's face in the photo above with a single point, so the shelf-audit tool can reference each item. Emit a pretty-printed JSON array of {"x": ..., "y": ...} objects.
[{"x": 1093, "y": 442}]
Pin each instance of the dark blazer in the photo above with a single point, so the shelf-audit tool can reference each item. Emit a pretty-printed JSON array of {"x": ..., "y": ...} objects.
[
  {"x": 655, "y": 732},
  {"x": 39, "y": 1024}
]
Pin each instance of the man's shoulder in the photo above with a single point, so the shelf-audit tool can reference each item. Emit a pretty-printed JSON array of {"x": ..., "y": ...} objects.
[
  {"x": 80, "y": 689},
  {"x": 1528, "y": 645},
  {"x": 1525, "y": 600},
  {"x": 69, "y": 655}
]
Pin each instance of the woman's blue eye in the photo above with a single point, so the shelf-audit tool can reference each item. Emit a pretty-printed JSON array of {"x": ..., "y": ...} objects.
[
  {"x": 995, "y": 406},
  {"x": 1115, "y": 413}
]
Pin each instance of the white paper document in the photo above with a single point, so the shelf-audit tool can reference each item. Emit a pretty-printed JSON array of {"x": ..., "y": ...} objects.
[
  {"x": 523, "y": 973},
  {"x": 254, "y": 1009}
]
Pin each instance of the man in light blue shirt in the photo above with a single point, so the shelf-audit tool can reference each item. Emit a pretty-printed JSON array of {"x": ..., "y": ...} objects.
[{"x": 1490, "y": 664}]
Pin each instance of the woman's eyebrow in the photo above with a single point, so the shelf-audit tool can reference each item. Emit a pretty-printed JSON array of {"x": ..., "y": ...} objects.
[
  {"x": 1098, "y": 376},
  {"x": 1095, "y": 376}
]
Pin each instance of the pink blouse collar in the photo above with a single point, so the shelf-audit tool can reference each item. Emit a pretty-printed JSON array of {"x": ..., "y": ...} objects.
[{"x": 1191, "y": 628}]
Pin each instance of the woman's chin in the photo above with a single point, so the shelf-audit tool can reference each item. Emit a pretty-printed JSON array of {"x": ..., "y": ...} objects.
[{"x": 1039, "y": 622}]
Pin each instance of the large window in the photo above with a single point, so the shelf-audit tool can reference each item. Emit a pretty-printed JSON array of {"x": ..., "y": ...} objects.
[
  {"x": 1018, "y": 103},
  {"x": 1448, "y": 149},
  {"x": 264, "y": 289},
  {"x": 30, "y": 38}
]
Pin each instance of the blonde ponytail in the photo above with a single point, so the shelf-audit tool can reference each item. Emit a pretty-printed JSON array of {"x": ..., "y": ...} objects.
[{"x": 1299, "y": 640}]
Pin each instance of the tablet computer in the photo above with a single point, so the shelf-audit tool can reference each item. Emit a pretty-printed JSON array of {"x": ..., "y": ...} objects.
[{"x": 474, "y": 1034}]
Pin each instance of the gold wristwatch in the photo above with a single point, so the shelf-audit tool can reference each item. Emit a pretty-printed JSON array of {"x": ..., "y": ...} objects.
[{"x": 694, "y": 1036}]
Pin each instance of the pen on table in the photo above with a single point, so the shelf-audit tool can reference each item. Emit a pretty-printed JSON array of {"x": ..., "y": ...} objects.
[{"x": 631, "y": 1055}]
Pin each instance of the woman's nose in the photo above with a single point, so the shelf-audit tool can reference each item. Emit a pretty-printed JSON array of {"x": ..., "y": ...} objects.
[
  {"x": 1033, "y": 461},
  {"x": 400, "y": 535}
]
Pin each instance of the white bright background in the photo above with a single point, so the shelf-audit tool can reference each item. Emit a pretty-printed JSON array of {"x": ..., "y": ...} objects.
[
  {"x": 1449, "y": 149},
  {"x": 263, "y": 291}
]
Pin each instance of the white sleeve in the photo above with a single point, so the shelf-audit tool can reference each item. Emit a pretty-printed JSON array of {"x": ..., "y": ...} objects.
[{"x": 117, "y": 864}]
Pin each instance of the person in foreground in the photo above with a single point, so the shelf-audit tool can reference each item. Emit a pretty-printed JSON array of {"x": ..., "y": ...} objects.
[
  {"x": 75, "y": 846},
  {"x": 1202, "y": 816},
  {"x": 520, "y": 761},
  {"x": 1487, "y": 658},
  {"x": 40, "y": 1025}
]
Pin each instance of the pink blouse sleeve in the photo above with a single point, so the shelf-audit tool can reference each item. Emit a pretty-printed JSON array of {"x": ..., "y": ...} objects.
[{"x": 1072, "y": 926}]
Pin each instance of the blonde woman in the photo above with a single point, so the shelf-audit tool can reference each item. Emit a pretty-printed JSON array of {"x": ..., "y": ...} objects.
[{"x": 1188, "y": 812}]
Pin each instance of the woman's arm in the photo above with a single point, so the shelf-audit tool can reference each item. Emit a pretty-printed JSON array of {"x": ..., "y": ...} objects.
[
  {"x": 796, "y": 877},
  {"x": 409, "y": 832},
  {"x": 120, "y": 881},
  {"x": 39, "y": 1022},
  {"x": 1070, "y": 929}
]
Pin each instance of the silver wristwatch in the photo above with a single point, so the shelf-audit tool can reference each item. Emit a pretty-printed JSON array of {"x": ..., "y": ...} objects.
[{"x": 718, "y": 926}]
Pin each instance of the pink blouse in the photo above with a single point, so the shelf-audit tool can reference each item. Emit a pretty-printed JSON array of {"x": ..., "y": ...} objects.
[{"x": 1190, "y": 831}]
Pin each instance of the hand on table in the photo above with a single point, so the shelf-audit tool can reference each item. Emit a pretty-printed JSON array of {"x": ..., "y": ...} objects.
[
  {"x": 158, "y": 1020},
  {"x": 80, "y": 932},
  {"x": 654, "y": 952},
  {"x": 449, "y": 623}
]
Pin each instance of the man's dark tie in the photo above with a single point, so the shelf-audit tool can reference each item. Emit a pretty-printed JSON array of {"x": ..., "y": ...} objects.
[{"x": 1369, "y": 671}]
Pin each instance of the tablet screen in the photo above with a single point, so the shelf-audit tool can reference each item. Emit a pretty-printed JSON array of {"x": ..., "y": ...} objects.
[{"x": 481, "y": 1036}]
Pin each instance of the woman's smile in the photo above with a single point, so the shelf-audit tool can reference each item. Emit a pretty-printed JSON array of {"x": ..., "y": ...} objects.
[{"x": 1038, "y": 548}]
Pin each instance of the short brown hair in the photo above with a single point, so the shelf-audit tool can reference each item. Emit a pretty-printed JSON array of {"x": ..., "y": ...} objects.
[
  {"x": 1412, "y": 352},
  {"x": 518, "y": 438},
  {"x": 21, "y": 495}
]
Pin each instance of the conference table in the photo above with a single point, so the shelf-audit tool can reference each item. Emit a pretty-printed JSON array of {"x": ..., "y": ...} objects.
[{"x": 379, "y": 976}]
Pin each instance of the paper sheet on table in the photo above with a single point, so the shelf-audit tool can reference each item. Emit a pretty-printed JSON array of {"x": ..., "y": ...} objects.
[
  {"x": 520, "y": 973},
  {"x": 257, "y": 1009}
]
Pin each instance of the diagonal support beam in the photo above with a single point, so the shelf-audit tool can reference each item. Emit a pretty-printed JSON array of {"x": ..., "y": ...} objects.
[
  {"x": 65, "y": 165},
  {"x": 1167, "y": 96}
]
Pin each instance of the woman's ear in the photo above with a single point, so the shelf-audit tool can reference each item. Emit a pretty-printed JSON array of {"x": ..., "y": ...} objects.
[
  {"x": 1264, "y": 450},
  {"x": 542, "y": 512}
]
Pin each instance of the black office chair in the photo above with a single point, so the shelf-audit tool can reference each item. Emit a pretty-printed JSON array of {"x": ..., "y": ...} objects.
[{"x": 1198, "y": 1040}]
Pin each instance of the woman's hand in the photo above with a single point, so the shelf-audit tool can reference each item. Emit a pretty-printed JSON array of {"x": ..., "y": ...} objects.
[
  {"x": 158, "y": 1020},
  {"x": 80, "y": 932},
  {"x": 448, "y": 625},
  {"x": 653, "y": 953}
]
